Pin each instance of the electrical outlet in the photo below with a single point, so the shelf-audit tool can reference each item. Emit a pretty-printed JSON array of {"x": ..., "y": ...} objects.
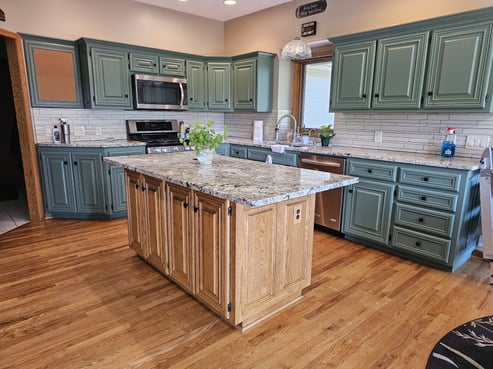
[
  {"x": 297, "y": 215},
  {"x": 99, "y": 131},
  {"x": 80, "y": 131},
  {"x": 477, "y": 141},
  {"x": 378, "y": 136}
]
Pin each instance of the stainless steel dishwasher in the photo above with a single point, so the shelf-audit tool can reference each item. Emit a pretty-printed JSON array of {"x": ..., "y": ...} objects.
[{"x": 328, "y": 204}]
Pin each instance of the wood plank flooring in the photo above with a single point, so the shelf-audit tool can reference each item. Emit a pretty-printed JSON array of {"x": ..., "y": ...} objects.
[{"x": 73, "y": 295}]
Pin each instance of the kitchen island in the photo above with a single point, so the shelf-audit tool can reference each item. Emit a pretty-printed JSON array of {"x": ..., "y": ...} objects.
[{"x": 236, "y": 234}]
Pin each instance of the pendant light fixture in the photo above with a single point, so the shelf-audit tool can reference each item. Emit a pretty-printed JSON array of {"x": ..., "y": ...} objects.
[{"x": 296, "y": 49}]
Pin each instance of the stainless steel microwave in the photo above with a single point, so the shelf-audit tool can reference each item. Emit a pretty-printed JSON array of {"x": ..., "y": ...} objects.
[{"x": 159, "y": 93}]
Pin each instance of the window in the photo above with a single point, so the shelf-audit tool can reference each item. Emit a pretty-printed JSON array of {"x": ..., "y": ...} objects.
[{"x": 311, "y": 92}]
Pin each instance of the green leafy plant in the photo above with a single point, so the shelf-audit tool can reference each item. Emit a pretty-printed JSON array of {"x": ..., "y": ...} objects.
[
  {"x": 326, "y": 131},
  {"x": 203, "y": 136}
]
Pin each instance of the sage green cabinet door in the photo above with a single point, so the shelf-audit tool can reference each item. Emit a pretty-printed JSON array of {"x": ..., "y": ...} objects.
[
  {"x": 58, "y": 183},
  {"x": 399, "y": 71},
  {"x": 245, "y": 86},
  {"x": 118, "y": 194},
  {"x": 460, "y": 67},
  {"x": 88, "y": 180},
  {"x": 197, "y": 85},
  {"x": 144, "y": 63},
  {"x": 219, "y": 86},
  {"x": 367, "y": 210},
  {"x": 111, "y": 78},
  {"x": 352, "y": 76}
]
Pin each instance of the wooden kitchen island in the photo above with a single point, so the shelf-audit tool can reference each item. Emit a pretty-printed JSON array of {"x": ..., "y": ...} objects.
[{"x": 237, "y": 234}]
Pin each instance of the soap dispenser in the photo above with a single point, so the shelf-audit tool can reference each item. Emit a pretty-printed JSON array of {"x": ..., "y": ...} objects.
[{"x": 448, "y": 145}]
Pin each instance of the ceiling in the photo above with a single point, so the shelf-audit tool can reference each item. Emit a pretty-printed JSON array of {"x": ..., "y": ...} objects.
[{"x": 215, "y": 9}]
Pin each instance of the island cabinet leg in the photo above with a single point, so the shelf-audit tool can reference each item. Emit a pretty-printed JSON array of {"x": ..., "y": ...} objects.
[
  {"x": 272, "y": 256},
  {"x": 212, "y": 257},
  {"x": 180, "y": 236}
]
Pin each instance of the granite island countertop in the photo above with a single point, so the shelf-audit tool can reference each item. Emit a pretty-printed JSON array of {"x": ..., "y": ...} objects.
[
  {"x": 373, "y": 154},
  {"x": 242, "y": 181}
]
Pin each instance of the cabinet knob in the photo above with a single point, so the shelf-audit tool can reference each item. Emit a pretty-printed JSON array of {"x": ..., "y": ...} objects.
[
  {"x": 418, "y": 243},
  {"x": 421, "y": 220},
  {"x": 225, "y": 100},
  {"x": 423, "y": 198},
  {"x": 136, "y": 186},
  {"x": 377, "y": 95},
  {"x": 430, "y": 93},
  {"x": 75, "y": 163},
  {"x": 185, "y": 205},
  {"x": 363, "y": 96},
  {"x": 126, "y": 95},
  {"x": 251, "y": 100},
  {"x": 65, "y": 162},
  {"x": 143, "y": 189},
  {"x": 426, "y": 179},
  {"x": 370, "y": 171},
  {"x": 350, "y": 190}
]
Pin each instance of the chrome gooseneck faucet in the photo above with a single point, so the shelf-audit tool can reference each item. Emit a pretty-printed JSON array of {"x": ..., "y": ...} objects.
[{"x": 295, "y": 127}]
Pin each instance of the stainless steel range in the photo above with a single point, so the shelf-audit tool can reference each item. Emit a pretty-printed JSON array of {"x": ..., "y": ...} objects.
[{"x": 160, "y": 136}]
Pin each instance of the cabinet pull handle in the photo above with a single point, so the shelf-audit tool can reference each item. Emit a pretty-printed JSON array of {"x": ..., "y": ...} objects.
[
  {"x": 426, "y": 179},
  {"x": 363, "y": 96},
  {"x": 421, "y": 220},
  {"x": 350, "y": 191},
  {"x": 251, "y": 99},
  {"x": 65, "y": 162},
  {"x": 226, "y": 100},
  {"x": 370, "y": 171},
  {"x": 126, "y": 95},
  {"x": 418, "y": 243},
  {"x": 136, "y": 186},
  {"x": 185, "y": 205},
  {"x": 143, "y": 189},
  {"x": 423, "y": 198},
  {"x": 430, "y": 93},
  {"x": 377, "y": 95},
  {"x": 75, "y": 163}
]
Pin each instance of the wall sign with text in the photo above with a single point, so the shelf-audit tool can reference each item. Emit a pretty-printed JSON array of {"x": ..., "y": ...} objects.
[{"x": 315, "y": 7}]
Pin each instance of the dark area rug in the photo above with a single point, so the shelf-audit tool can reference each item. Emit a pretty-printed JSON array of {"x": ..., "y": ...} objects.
[
  {"x": 467, "y": 346},
  {"x": 8, "y": 192}
]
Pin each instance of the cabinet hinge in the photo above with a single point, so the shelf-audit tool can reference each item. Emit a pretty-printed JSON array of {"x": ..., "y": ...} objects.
[
  {"x": 229, "y": 307},
  {"x": 230, "y": 211}
]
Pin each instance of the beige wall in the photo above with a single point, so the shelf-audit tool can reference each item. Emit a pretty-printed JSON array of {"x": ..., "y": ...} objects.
[
  {"x": 269, "y": 30},
  {"x": 115, "y": 20}
]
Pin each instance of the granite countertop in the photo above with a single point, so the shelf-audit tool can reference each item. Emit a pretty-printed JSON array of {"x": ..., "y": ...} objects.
[
  {"x": 95, "y": 143},
  {"x": 242, "y": 181},
  {"x": 374, "y": 154}
]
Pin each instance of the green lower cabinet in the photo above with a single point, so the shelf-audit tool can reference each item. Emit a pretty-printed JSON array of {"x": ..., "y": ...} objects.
[
  {"x": 223, "y": 149},
  {"x": 260, "y": 154},
  {"x": 427, "y": 214},
  {"x": 78, "y": 185}
]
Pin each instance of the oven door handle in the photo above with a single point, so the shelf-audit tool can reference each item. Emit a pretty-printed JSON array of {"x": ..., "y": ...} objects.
[{"x": 321, "y": 163}]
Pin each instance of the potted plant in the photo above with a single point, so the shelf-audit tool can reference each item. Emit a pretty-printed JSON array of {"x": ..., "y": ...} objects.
[
  {"x": 326, "y": 132},
  {"x": 204, "y": 139}
]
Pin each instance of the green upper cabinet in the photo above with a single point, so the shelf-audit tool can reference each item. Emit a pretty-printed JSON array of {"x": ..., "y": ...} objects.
[
  {"x": 253, "y": 79},
  {"x": 144, "y": 63},
  {"x": 196, "y": 85},
  {"x": 105, "y": 75},
  {"x": 53, "y": 72},
  {"x": 399, "y": 71},
  {"x": 460, "y": 67},
  {"x": 219, "y": 86},
  {"x": 433, "y": 65},
  {"x": 352, "y": 76}
]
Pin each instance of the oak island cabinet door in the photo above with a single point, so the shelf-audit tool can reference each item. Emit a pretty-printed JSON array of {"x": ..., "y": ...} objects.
[
  {"x": 212, "y": 250},
  {"x": 111, "y": 78},
  {"x": 367, "y": 212},
  {"x": 399, "y": 71},
  {"x": 460, "y": 67},
  {"x": 197, "y": 85},
  {"x": 155, "y": 222},
  {"x": 135, "y": 214},
  {"x": 88, "y": 179},
  {"x": 352, "y": 76},
  {"x": 219, "y": 86},
  {"x": 180, "y": 238},
  {"x": 58, "y": 183}
]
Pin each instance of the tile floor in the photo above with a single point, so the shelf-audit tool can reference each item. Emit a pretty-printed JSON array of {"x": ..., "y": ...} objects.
[{"x": 13, "y": 213}]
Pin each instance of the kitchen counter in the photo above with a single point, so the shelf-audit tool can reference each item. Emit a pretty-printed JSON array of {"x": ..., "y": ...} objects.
[
  {"x": 95, "y": 143},
  {"x": 374, "y": 154},
  {"x": 244, "y": 182}
]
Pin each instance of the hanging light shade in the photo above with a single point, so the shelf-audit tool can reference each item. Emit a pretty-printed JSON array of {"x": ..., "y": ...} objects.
[{"x": 296, "y": 50}]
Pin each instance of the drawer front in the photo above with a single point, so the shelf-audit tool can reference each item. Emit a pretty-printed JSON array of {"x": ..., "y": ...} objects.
[
  {"x": 438, "y": 223},
  {"x": 438, "y": 200},
  {"x": 143, "y": 63},
  {"x": 449, "y": 181},
  {"x": 238, "y": 151},
  {"x": 370, "y": 169},
  {"x": 277, "y": 158},
  {"x": 433, "y": 248},
  {"x": 171, "y": 66}
]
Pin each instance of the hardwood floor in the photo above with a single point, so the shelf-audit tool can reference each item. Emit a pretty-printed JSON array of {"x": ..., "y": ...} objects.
[{"x": 73, "y": 295}]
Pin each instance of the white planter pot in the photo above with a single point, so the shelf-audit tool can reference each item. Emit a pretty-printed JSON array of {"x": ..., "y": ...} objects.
[{"x": 205, "y": 156}]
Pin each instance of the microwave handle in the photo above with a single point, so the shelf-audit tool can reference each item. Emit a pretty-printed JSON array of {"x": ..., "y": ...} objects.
[{"x": 182, "y": 100}]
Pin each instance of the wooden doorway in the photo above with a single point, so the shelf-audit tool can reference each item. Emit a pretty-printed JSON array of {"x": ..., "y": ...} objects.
[{"x": 30, "y": 166}]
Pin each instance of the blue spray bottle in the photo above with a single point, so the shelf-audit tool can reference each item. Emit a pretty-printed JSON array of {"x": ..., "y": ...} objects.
[{"x": 448, "y": 146}]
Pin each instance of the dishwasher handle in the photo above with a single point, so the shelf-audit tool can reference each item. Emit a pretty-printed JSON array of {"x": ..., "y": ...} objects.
[{"x": 321, "y": 163}]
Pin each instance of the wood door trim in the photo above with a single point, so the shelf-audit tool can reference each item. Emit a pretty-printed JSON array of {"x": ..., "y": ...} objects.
[{"x": 17, "y": 66}]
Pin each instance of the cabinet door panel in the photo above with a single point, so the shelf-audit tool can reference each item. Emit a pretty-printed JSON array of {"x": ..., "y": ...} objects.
[
  {"x": 367, "y": 210},
  {"x": 352, "y": 76},
  {"x": 181, "y": 257},
  {"x": 155, "y": 225},
  {"x": 111, "y": 78},
  {"x": 197, "y": 85},
  {"x": 117, "y": 185},
  {"x": 460, "y": 68},
  {"x": 58, "y": 184},
  {"x": 134, "y": 209},
  {"x": 89, "y": 186},
  {"x": 400, "y": 71},
  {"x": 219, "y": 86},
  {"x": 212, "y": 252},
  {"x": 245, "y": 76}
]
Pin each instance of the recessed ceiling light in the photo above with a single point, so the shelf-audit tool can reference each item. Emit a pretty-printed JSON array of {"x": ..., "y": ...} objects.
[{"x": 229, "y": 2}]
